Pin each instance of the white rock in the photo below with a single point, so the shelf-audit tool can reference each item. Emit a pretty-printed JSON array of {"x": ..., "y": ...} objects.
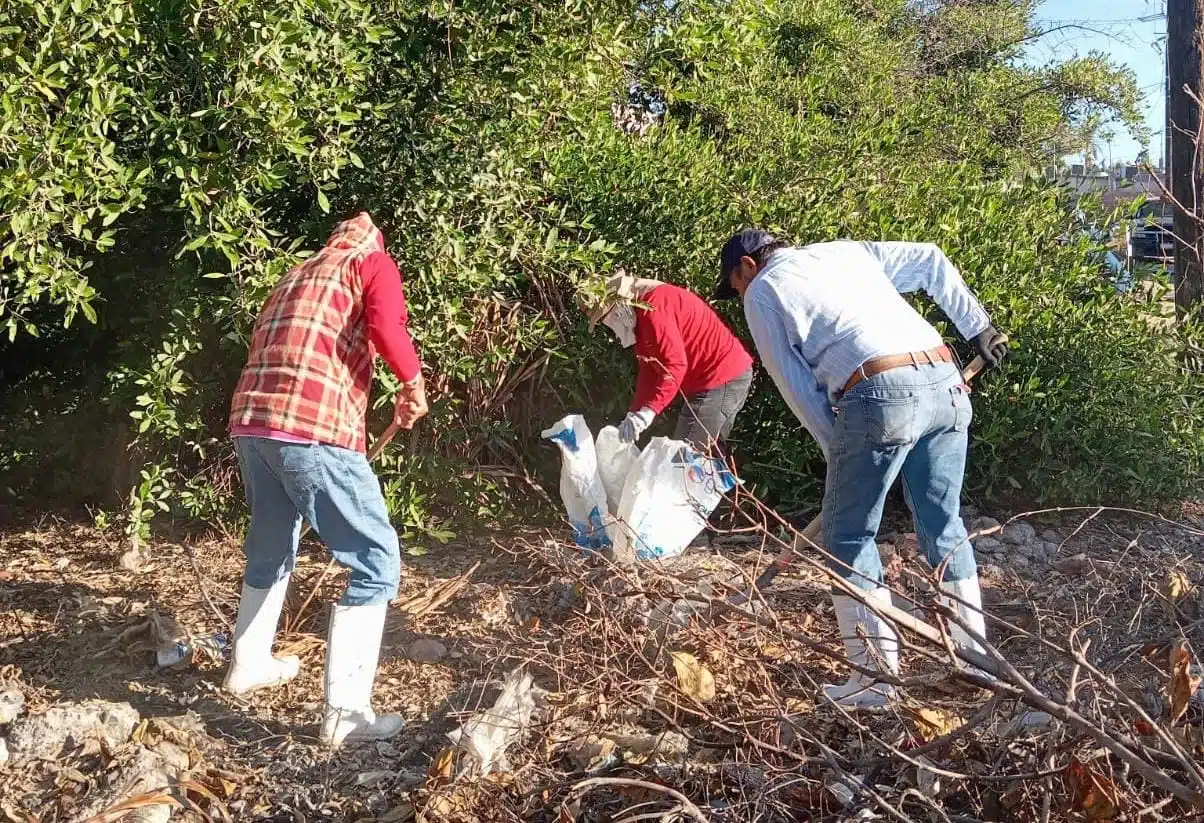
[
  {"x": 1019, "y": 533},
  {"x": 12, "y": 703},
  {"x": 46, "y": 734},
  {"x": 3, "y": 750}
]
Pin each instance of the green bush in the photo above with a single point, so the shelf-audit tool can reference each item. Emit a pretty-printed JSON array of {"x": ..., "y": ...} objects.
[{"x": 166, "y": 161}]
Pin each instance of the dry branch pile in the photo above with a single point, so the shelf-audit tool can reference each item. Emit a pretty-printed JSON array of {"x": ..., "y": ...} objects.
[{"x": 644, "y": 698}]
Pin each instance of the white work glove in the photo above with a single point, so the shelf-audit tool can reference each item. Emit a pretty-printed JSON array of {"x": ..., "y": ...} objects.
[{"x": 635, "y": 423}]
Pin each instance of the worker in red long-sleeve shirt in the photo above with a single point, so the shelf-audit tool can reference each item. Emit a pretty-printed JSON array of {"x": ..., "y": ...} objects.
[
  {"x": 297, "y": 420},
  {"x": 682, "y": 347}
]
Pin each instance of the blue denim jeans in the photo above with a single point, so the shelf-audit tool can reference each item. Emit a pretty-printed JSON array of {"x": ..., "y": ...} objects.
[
  {"x": 335, "y": 491},
  {"x": 911, "y": 421}
]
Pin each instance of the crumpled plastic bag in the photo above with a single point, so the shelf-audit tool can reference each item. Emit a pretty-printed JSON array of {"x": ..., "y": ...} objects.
[
  {"x": 486, "y": 735},
  {"x": 581, "y": 487},
  {"x": 666, "y": 500},
  {"x": 615, "y": 461}
]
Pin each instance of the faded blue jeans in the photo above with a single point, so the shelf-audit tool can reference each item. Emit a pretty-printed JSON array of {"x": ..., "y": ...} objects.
[
  {"x": 911, "y": 421},
  {"x": 335, "y": 491}
]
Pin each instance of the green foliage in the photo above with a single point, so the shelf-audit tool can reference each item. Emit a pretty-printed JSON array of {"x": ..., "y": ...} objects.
[{"x": 166, "y": 161}]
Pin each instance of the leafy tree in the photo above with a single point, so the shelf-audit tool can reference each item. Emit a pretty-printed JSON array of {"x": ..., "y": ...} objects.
[{"x": 165, "y": 161}]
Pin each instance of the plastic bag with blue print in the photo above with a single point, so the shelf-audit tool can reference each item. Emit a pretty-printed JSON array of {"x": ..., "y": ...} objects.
[
  {"x": 581, "y": 487},
  {"x": 666, "y": 500},
  {"x": 616, "y": 459}
]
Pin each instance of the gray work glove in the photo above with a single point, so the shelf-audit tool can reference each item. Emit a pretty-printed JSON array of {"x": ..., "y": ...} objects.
[
  {"x": 635, "y": 423},
  {"x": 990, "y": 345}
]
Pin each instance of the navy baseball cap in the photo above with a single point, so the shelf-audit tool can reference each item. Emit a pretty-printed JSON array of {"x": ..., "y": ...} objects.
[{"x": 743, "y": 244}]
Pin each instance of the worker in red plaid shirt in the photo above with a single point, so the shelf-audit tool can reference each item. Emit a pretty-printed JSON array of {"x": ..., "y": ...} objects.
[{"x": 298, "y": 425}]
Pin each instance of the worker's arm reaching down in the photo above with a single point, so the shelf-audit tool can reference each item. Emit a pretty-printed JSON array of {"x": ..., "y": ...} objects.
[
  {"x": 386, "y": 317},
  {"x": 924, "y": 267},
  {"x": 663, "y": 362}
]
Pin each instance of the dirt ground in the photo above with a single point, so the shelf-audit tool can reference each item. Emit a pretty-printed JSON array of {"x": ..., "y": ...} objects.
[{"x": 74, "y": 627}]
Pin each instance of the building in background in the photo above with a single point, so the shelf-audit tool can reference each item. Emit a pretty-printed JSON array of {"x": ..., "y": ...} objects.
[{"x": 1115, "y": 186}]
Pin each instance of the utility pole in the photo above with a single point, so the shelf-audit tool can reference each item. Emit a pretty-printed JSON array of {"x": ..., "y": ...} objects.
[{"x": 1185, "y": 163}]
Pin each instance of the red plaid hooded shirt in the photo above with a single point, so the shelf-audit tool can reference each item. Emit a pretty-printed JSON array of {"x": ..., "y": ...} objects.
[{"x": 309, "y": 370}]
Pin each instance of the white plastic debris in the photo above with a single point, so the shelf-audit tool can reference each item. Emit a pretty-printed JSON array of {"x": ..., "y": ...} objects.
[
  {"x": 666, "y": 500},
  {"x": 615, "y": 461},
  {"x": 12, "y": 703},
  {"x": 927, "y": 781},
  {"x": 581, "y": 486},
  {"x": 1027, "y": 722},
  {"x": 487, "y": 734}
]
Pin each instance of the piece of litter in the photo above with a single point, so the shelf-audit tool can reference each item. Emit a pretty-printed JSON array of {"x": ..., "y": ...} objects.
[{"x": 487, "y": 734}]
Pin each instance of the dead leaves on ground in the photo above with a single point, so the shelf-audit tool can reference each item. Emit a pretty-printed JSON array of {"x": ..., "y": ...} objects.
[
  {"x": 441, "y": 768},
  {"x": 1092, "y": 793},
  {"x": 1180, "y": 597},
  {"x": 932, "y": 723},
  {"x": 693, "y": 678},
  {"x": 1183, "y": 683}
]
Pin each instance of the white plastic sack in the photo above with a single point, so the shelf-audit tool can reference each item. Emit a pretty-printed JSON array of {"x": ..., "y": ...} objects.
[
  {"x": 581, "y": 487},
  {"x": 616, "y": 459},
  {"x": 666, "y": 500}
]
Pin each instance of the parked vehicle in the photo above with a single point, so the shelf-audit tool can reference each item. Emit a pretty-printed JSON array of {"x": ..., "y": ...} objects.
[{"x": 1151, "y": 232}]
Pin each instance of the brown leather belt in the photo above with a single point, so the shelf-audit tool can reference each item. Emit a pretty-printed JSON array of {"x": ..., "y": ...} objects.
[{"x": 877, "y": 365}]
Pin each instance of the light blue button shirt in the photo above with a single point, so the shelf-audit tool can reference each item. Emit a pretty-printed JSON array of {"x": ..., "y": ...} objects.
[{"x": 818, "y": 312}]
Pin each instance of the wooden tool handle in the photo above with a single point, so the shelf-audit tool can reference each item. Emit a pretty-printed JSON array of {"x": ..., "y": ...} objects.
[
  {"x": 978, "y": 364},
  {"x": 383, "y": 440}
]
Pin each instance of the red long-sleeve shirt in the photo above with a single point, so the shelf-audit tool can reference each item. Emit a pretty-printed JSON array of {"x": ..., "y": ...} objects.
[
  {"x": 682, "y": 345},
  {"x": 385, "y": 315}
]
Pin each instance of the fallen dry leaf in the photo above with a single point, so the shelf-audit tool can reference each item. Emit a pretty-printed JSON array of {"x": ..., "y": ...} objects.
[
  {"x": 1094, "y": 794},
  {"x": 1175, "y": 587},
  {"x": 773, "y": 652},
  {"x": 142, "y": 801},
  {"x": 692, "y": 677},
  {"x": 1183, "y": 685},
  {"x": 441, "y": 767},
  {"x": 933, "y": 723}
]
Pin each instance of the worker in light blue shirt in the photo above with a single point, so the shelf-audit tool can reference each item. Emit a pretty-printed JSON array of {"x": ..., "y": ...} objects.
[{"x": 875, "y": 385}]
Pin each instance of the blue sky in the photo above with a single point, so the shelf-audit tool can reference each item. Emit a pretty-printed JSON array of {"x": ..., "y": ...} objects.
[{"x": 1113, "y": 27}]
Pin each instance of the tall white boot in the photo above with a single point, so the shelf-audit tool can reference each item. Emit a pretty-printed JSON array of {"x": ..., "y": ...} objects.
[
  {"x": 862, "y": 691},
  {"x": 252, "y": 665},
  {"x": 966, "y": 602},
  {"x": 352, "y": 652}
]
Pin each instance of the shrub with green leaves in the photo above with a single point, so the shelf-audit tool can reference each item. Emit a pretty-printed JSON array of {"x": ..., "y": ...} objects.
[{"x": 164, "y": 162}]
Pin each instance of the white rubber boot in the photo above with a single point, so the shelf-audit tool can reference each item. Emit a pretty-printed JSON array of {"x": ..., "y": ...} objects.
[
  {"x": 352, "y": 652},
  {"x": 966, "y": 602},
  {"x": 861, "y": 691},
  {"x": 252, "y": 665}
]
